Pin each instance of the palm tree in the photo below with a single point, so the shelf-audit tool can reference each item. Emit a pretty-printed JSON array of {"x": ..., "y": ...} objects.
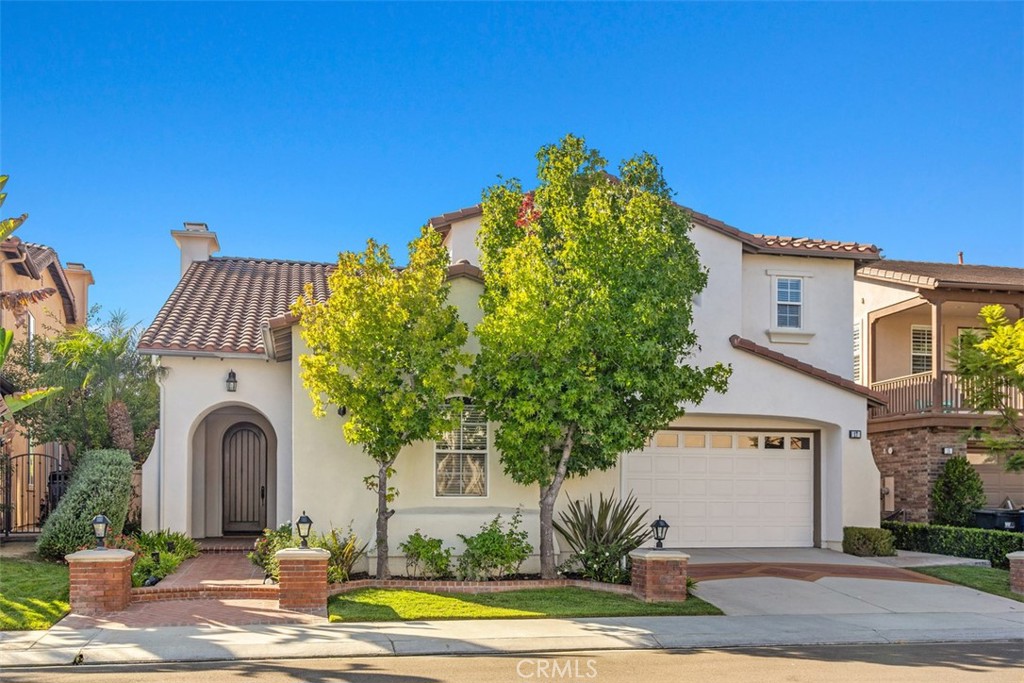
[{"x": 105, "y": 358}]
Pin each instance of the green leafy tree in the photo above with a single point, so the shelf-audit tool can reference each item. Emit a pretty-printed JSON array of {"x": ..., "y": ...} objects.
[
  {"x": 111, "y": 398},
  {"x": 991, "y": 370},
  {"x": 587, "y": 318},
  {"x": 386, "y": 345},
  {"x": 957, "y": 493},
  {"x": 17, "y": 301}
]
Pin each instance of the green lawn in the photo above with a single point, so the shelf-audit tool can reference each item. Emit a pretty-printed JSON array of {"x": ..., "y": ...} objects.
[
  {"x": 994, "y": 581},
  {"x": 33, "y": 594},
  {"x": 374, "y": 604}
]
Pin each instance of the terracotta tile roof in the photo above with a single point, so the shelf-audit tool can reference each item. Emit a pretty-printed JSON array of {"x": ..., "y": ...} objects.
[
  {"x": 945, "y": 275},
  {"x": 235, "y": 306},
  {"x": 32, "y": 260},
  {"x": 739, "y": 342},
  {"x": 753, "y": 243},
  {"x": 220, "y": 305}
]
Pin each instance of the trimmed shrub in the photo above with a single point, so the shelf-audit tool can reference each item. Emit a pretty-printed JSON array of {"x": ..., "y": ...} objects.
[
  {"x": 495, "y": 551},
  {"x": 345, "y": 549},
  {"x": 957, "y": 493},
  {"x": 101, "y": 483},
  {"x": 602, "y": 536},
  {"x": 985, "y": 544},
  {"x": 867, "y": 541},
  {"x": 150, "y": 542},
  {"x": 425, "y": 556}
]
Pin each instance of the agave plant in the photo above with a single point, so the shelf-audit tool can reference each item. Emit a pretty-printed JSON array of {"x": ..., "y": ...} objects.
[{"x": 602, "y": 536}]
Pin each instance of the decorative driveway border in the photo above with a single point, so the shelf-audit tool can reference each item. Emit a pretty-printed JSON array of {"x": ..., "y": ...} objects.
[{"x": 802, "y": 571}]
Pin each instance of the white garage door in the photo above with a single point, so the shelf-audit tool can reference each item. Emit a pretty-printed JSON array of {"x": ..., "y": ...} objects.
[{"x": 727, "y": 489}]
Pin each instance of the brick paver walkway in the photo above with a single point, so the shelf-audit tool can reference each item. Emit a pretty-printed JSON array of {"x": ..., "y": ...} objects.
[
  {"x": 218, "y": 569},
  {"x": 222, "y": 567},
  {"x": 802, "y": 572}
]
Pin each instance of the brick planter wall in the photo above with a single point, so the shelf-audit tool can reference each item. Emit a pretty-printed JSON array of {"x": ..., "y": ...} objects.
[
  {"x": 659, "y": 575},
  {"x": 1017, "y": 571},
  {"x": 302, "y": 582},
  {"x": 101, "y": 580},
  {"x": 915, "y": 463}
]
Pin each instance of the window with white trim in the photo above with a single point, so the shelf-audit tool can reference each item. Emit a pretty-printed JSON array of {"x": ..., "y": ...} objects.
[
  {"x": 460, "y": 456},
  {"x": 789, "y": 301},
  {"x": 920, "y": 349}
]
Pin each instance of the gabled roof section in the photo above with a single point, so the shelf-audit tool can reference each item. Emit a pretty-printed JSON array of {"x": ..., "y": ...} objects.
[
  {"x": 742, "y": 344},
  {"x": 927, "y": 275},
  {"x": 220, "y": 305},
  {"x": 752, "y": 243},
  {"x": 32, "y": 260},
  {"x": 241, "y": 307}
]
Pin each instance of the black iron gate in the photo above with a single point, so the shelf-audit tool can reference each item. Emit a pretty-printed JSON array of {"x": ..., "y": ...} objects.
[{"x": 32, "y": 484}]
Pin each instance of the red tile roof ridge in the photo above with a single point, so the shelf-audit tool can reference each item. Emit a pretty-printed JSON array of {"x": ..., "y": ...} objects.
[
  {"x": 285, "y": 262},
  {"x": 756, "y": 349}
]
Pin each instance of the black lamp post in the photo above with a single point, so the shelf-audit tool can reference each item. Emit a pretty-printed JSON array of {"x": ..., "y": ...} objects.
[
  {"x": 100, "y": 523},
  {"x": 232, "y": 381},
  {"x": 304, "y": 524},
  {"x": 660, "y": 528}
]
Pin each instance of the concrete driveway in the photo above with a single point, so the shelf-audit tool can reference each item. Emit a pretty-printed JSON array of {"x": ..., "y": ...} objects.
[{"x": 812, "y": 581}]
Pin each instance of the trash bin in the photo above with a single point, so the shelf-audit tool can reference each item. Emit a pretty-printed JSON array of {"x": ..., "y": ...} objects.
[
  {"x": 985, "y": 518},
  {"x": 1007, "y": 520}
]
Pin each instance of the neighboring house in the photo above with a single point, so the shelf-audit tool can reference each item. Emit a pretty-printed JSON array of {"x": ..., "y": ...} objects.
[
  {"x": 907, "y": 317},
  {"x": 779, "y": 460},
  {"x": 34, "y": 467}
]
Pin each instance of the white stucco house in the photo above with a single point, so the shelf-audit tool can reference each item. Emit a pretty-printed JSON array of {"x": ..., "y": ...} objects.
[{"x": 778, "y": 460}]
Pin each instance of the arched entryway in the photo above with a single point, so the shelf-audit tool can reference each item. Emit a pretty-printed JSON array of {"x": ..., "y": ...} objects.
[
  {"x": 233, "y": 473},
  {"x": 244, "y": 479}
]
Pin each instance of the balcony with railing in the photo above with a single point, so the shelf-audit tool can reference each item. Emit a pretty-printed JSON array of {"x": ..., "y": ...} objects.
[{"x": 924, "y": 393}]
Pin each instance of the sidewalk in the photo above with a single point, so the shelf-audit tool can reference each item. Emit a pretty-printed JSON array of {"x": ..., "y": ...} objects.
[{"x": 61, "y": 646}]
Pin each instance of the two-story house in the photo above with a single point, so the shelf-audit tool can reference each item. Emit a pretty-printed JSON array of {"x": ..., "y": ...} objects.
[
  {"x": 27, "y": 493},
  {"x": 907, "y": 317},
  {"x": 781, "y": 459}
]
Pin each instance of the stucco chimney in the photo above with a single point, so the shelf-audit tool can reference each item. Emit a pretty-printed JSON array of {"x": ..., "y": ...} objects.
[
  {"x": 79, "y": 278},
  {"x": 196, "y": 242}
]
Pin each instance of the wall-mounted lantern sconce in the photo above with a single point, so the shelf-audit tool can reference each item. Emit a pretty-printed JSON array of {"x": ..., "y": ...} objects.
[
  {"x": 947, "y": 450},
  {"x": 232, "y": 382},
  {"x": 856, "y": 434}
]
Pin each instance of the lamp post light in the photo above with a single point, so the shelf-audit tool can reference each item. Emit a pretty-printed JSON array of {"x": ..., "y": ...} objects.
[
  {"x": 232, "y": 381},
  {"x": 304, "y": 524},
  {"x": 100, "y": 524},
  {"x": 660, "y": 528}
]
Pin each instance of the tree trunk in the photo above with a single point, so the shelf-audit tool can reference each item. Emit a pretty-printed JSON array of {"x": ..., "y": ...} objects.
[
  {"x": 549, "y": 494},
  {"x": 119, "y": 422},
  {"x": 383, "y": 515}
]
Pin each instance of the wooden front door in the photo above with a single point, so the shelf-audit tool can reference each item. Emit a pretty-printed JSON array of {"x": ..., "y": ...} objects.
[{"x": 245, "y": 479}]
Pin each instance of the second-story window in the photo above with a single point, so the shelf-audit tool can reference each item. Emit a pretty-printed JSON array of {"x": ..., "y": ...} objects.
[
  {"x": 920, "y": 349},
  {"x": 789, "y": 300}
]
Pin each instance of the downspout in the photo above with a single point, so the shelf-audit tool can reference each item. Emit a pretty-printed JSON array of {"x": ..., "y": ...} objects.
[{"x": 160, "y": 449}]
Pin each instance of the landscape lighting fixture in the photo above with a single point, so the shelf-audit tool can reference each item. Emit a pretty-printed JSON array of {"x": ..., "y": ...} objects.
[
  {"x": 304, "y": 524},
  {"x": 100, "y": 524},
  {"x": 660, "y": 528}
]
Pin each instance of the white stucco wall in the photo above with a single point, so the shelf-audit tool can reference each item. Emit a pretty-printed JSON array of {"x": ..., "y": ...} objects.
[
  {"x": 461, "y": 241},
  {"x": 192, "y": 389}
]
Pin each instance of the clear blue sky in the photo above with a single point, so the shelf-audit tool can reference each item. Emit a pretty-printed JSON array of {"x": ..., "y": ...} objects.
[{"x": 299, "y": 130}]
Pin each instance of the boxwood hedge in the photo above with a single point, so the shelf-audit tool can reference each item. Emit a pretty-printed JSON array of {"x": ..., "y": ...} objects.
[
  {"x": 100, "y": 483},
  {"x": 986, "y": 544}
]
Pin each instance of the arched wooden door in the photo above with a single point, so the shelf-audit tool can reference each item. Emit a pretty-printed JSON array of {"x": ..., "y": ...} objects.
[{"x": 245, "y": 479}]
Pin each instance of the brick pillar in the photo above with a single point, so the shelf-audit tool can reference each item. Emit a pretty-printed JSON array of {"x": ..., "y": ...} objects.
[
  {"x": 101, "y": 580},
  {"x": 303, "y": 580},
  {"x": 1017, "y": 571},
  {"x": 659, "y": 575}
]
